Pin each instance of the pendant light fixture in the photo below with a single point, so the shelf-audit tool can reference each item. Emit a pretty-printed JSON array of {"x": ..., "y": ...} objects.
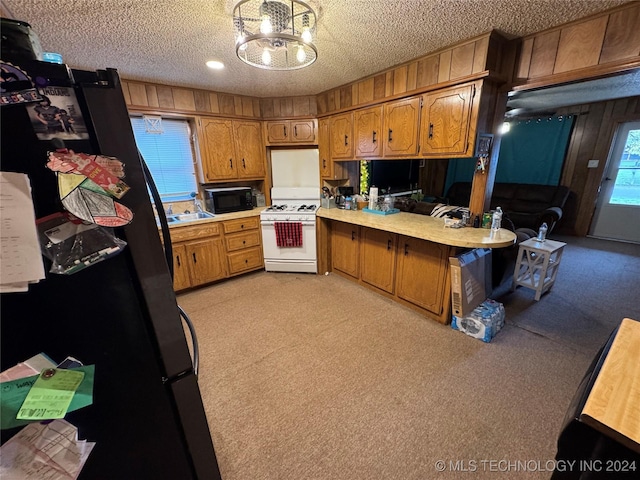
[{"x": 275, "y": 34}]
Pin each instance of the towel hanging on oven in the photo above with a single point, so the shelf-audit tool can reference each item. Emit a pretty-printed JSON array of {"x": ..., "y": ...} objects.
[{"x": 288, "y": 234}]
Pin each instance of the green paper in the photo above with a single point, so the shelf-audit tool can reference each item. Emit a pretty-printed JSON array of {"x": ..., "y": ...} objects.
[
  {"x": 51, "y": 394},
  {"x": 14, "y": 392}
]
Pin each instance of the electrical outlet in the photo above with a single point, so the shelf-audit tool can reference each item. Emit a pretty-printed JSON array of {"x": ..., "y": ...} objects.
[{"x": 593, "y": 163}]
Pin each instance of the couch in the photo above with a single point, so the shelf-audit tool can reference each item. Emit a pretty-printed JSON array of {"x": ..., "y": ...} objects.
[{"x": 525, "y": 205}]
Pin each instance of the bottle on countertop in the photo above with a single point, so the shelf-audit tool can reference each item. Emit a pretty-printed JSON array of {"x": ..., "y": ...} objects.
[
  {"x": 496, "y": 221},
  {"x": 348, "y": 203},
  {"x": 542, "y": 233}
]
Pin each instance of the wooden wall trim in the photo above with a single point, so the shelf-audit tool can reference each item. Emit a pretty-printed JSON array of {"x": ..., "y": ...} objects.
[
  {"x": 597, "y": 45},
  {"x": 469, "y": 60}
]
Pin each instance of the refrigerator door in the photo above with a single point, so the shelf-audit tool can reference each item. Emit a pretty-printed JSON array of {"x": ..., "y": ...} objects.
[{"x": 147, "y": 417}]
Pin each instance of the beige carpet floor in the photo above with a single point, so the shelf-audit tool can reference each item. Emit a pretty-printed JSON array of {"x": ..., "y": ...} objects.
[{"x": 314, "y": 377}]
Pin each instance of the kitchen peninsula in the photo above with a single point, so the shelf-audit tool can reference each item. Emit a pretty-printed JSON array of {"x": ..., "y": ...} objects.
[{"x": 403, "y": 256}]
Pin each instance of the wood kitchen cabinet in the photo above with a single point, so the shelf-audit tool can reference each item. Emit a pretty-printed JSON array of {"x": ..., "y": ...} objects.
[
  {"x": 285, "y": 132},
  {"x": 329, "y": 170},
  {"x": 341, "y": 135},
  {"x": 198, "y": 256},
  {"x": 345, "y": 248},
  {"x": 422, "y": 273},
  {"x": 378, "y": 258},
  {"x": 368, "y": 127},
  {"x": 448, "y": 122},
  {"x": 243, "y": 245},
  {"x": 231, "y": 149},
  {"x": 401, "y": 119}
]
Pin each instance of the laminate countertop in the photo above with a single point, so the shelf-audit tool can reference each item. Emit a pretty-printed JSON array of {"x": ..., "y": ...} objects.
[{"x": 424, "y": 227}]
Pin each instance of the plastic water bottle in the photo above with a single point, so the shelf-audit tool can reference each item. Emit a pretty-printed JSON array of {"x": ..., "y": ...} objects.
[
  {"x": 496, "y": 220},
  {"x": 542, "y": 233}
]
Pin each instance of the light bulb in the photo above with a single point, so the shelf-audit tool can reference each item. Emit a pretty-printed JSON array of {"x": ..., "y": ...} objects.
[
  {"x": 265, "y": 25},
  {"x": 240, "y": 39},
  {"x": 506, "y": 126},
  {"x": 306, "y": 34},
  {"x": 266, "y": 57},
  {"x": 301, "y": 55}
]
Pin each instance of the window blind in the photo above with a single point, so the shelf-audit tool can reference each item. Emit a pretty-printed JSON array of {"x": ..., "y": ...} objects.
[{"x": 169, "y": 157}]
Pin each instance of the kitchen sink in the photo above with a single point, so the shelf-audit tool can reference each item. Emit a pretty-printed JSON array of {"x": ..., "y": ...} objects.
[{"x": 187, "y": 217}]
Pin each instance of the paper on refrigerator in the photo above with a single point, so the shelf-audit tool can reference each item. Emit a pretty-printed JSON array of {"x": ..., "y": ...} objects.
[
  {"x": 50, "y": 451},
  {"x": 20, "y": 257}
]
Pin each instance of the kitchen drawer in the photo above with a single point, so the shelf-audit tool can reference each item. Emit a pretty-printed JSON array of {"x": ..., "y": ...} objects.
[
  {"x": 194, "y": 232},
  {"x": 241, "y": 224},
  {"x": 245, "y": 260},
  {"x": 238, "y": 241}
]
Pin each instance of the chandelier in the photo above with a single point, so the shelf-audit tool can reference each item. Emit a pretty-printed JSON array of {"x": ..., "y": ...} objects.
[{"x": 275, "y": 34}]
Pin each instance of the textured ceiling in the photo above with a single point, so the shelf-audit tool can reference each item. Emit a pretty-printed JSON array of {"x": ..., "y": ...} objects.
[{"x": 169, "y": 41}]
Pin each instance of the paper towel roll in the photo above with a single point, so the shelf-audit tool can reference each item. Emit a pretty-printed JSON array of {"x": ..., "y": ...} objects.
[{"x": 373, "y": 198}]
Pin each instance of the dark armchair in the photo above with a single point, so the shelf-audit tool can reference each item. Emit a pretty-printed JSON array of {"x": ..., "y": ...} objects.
[{"x": 527, "y": 206}]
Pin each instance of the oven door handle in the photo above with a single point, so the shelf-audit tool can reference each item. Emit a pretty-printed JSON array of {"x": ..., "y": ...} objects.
[{"x": 304, "y": 222}]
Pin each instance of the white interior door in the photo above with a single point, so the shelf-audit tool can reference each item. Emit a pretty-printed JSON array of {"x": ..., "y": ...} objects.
[{"x": 617, "y": 214}]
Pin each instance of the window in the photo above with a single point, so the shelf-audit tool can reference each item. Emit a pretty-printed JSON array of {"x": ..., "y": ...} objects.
[{"x": 165, "y": 145}]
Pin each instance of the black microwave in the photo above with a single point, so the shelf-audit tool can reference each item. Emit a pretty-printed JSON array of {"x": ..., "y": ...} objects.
[{"x": 226, "y": 200}]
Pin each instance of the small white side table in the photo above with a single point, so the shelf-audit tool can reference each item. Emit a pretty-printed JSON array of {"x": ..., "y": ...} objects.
[{"x": 537, "y": 265}]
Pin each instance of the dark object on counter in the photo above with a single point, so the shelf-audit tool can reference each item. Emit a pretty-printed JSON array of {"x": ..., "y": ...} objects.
[
  {"x": 19, "y": 42},
  {"x": 346, "y": 191},
  {"x": 147, "y": 419},
  {"x": 476, "y": 221},
  {"x": 227, "y": 200},
  {"x": 528, "y": 206}
]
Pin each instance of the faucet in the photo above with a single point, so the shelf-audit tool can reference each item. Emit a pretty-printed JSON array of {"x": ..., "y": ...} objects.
[
  {"x": 169, "y": 210},
  {"x": 198, "y": 205}
]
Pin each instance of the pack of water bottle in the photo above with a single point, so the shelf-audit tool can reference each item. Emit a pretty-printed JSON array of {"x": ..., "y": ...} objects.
[{"x": 484, "y": 322}]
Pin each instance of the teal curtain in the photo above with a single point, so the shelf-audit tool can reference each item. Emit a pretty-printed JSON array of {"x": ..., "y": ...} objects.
[{"x": 533, "y": 151}]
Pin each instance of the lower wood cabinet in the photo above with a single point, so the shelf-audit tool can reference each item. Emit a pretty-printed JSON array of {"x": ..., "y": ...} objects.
[
  {"x": 422, "y": 272},
  {"x": 196, "y": 262},
  {"x": 412, "y": 271},
  {"x": 243, "y": 244},
  {"x": 213, "y": 251},
  {"x": 378, "y": 258},
  {"x": 345, "y": 248}
]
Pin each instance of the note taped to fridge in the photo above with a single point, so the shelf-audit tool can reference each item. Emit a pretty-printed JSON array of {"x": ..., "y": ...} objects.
[{"x": 51, "y": 394}]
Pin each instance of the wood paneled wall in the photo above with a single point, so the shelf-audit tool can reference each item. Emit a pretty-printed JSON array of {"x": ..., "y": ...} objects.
[
  {"x": 141, "y": 96},
  {"x": 455, "y": 64},
  {"x": 151, "y": 97},
  {"x": 597, "y": 45},
  {"x": 591, "y": 139}
]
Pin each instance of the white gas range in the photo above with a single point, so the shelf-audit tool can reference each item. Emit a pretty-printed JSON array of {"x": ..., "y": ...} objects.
[{"x": 289, "y": 230}]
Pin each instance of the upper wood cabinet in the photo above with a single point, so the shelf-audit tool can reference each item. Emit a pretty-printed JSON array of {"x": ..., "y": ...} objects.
[
  {"x": 448, "y": 122},
  {"x": 328, "y": 169},
  {"x": 231, "y": 149},
  {"x": 341, "y": 134},
  {"x": 285, "y": 132},
  {"x": 368, "y": 132},
  {"x": 401, "y": 119}
]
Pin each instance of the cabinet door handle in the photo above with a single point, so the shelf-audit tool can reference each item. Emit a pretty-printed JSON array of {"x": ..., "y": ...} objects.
[
  {"x": 431, "y": 130},
  {"x": 178, "y": 260},
  {"x": 390, "y": 133},
  {"x": 242, "y": 226},
  {"x": 353, "y": 235},
  {"x": 243, "y": 164},
  {"x": 374, "y": 140},
  {"x": 389, "y": 244},
  {"x": 346, "y": 140},
  {"x": 406, "y": 249},
  {"x": 324, "y": 163},
  {"x": 285, "y": 132},
  {"x": 195, "y": 260},
  {"x": 295, "y": 131},
  {"x": 231, "y": 163}
]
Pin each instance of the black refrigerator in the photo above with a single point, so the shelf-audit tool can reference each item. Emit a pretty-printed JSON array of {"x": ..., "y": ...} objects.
[{"x": 121, "y": 314}]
